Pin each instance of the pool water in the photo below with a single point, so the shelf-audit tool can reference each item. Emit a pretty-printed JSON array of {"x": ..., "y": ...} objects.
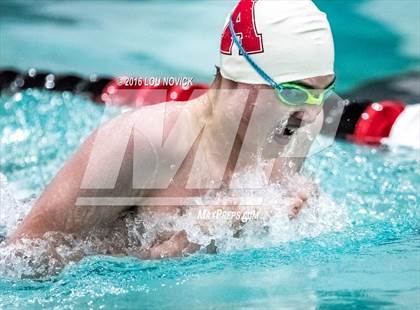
[
  {"x": 371, "y": 261},
  {"x": 368, "y": 258},
  {"x": 116, "y": 38}
]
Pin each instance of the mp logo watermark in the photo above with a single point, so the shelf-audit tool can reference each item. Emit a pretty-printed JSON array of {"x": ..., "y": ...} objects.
[{"x": 173, "y": 153}]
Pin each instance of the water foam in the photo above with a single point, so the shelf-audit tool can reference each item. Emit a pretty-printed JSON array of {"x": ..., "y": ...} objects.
[
  {"x": 12, "y": 211},
  {"x": 138, "y": 232},
  {"x": 272, "y": 226}
]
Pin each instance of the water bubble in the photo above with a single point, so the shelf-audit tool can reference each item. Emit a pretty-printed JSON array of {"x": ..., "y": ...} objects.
[
  {"x": 17, "y": 97},
  {"x": 32, "y": 72}
]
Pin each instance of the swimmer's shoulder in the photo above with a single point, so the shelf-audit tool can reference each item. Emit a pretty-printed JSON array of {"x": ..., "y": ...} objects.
[{"x": 150, "y": 127}]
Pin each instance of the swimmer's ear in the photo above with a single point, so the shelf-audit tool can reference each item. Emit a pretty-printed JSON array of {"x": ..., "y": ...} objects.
[
  {"x": 217, "y": 75},
  {"x": 217, "y": 70}
]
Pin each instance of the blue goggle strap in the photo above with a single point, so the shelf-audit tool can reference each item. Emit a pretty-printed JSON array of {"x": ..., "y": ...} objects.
[{"x": 257, "y": 68}]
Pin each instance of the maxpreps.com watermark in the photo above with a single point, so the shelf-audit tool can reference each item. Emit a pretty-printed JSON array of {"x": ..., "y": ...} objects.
[
  {"x": 220, "y": 214},
  {"x": 155, "y": 81}
]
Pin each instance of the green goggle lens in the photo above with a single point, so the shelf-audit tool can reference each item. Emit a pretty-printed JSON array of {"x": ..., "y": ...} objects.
[{"x": 295, "y": 95}]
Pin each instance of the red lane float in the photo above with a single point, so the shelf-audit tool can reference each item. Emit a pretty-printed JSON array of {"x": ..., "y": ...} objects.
[
  {"x": 118, "y": 93},
  {"x": 376, "y": 122}
]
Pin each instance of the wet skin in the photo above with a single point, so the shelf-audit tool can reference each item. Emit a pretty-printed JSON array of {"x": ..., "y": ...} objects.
[{"x": 56, "y": 209}]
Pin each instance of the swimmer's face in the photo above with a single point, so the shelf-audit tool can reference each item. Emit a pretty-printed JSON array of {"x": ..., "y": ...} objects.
[{"x": 285, "y": 121}]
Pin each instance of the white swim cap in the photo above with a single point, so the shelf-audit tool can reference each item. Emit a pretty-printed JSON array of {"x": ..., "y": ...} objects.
[
  {"x": 289, "y": 39},
  {"x": 406, "y": 128}
]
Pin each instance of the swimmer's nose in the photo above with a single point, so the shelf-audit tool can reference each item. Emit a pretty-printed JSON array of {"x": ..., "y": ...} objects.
[{"x": 308, "y": 115}]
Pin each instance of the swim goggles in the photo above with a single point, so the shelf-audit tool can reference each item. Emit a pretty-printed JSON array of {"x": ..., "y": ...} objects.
[{"x": 291, "y": 94}]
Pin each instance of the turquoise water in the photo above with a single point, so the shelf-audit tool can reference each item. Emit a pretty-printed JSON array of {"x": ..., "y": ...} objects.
[
  {"x": 373, "y": 262},
  {"x": 132, "y": 37}
]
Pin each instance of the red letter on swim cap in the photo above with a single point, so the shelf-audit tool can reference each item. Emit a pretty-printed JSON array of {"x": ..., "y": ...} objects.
[{"x": 243, "y": 18}]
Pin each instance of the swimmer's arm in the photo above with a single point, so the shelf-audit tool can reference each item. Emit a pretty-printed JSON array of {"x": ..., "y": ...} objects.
[{"x": 55, "y": 210}]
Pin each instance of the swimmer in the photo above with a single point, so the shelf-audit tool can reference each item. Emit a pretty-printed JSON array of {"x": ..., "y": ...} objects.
[{"x": 276, "y": 69}]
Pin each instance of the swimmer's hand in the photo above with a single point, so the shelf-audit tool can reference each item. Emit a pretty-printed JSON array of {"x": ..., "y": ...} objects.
[
  {"x": 176, "y": 246},
  {"x": 297, "y": 204},
  {"x": 301, "y": 197}
]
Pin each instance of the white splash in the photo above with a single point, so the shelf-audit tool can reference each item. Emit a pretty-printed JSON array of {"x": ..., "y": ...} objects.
[
  {"x": 272, "y": 227},
  {"x": 12, "y": 211},
  {"x": 136, "y": 232}
]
